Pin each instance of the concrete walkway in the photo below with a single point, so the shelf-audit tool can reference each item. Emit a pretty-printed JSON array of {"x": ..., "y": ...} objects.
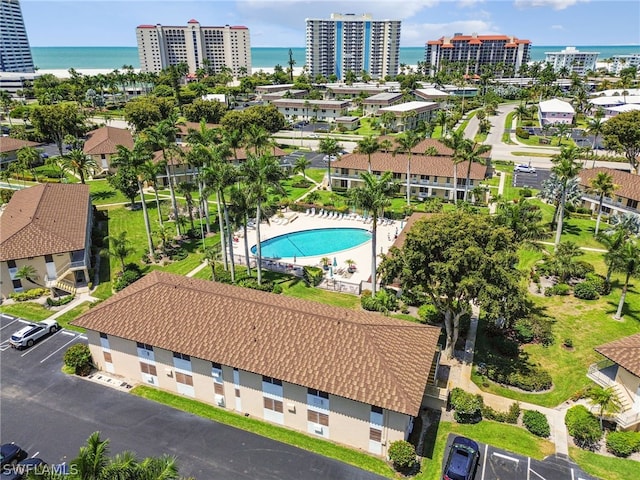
[
  {"x": 460, "y": 376},
  {"x": 80, "y": 299}
]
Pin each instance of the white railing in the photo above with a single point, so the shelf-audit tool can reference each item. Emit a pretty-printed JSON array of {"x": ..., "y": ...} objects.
[
  {"x": 628, "y": 418},
  {"x": 595, "y": 373}
]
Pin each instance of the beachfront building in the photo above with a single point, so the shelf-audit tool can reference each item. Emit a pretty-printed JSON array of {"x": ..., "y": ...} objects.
[
  {"x": 339, "y": 374},
  {"x": 572, "y": 60},
  {"x": 476, "y": 51},
  {"x": 47, "y": 227},
  {"x": 356, "y": 43},
  {"x": 15, "y": 54},
  {"x": 200, "y": 47},
  {"x": 555, "y": 111},
  {"x": 619, "y": 62},
  {"x": 408, "y": 115},
  {"x": 102, "y": 144},
  {"x": 432, "y": 170},
  {"x": 625, "y": 198},
  {"x": 319, "y": 110}
]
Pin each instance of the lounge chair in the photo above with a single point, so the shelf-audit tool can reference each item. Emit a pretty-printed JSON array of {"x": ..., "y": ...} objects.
[{"x": 307, "y": 211}]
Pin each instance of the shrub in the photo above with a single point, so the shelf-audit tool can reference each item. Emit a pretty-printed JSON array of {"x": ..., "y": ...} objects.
[
  {"x": 510, "y": 416},
  {"x": 568, "y": 342},
  {"x": 583, "y": 268},
  {"x": 559, "y": 289},
  {"x": 60, "y": 301},
  {"x": 403, "y": 455},
  {"x": 78, "y": 357},
  {"x": 536, "y": 423},
  {"x": 583, "y": 426},
  {"x": 385, "y": 301},
  {"x": 523, "y": 330},
  {"x": 599, "y": 283},
  {"x": 505, "y": 346},
  {"x": 623, "y": 444},
  {"x": 126, "y": 279},
  {"x": 277, "y": 289},
  {"x": 467, "y": 407},
  {"x": 585, "y": 291},
  {"x": 522, "y": 133},
  {"x": 428, "y": 313},
  {"x": 312, "y": 275},
  {"x": 526, "y": 192},
  {"x": 28, "y": 295}
]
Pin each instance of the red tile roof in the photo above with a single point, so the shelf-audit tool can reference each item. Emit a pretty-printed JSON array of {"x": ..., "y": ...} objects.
[
  {"x": 351, "y": 353},
  {"x": 44, "y": 220}
]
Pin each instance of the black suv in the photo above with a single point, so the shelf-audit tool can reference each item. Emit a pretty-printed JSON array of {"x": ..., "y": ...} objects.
[
  {"x": 462, "y": 463},
  {"x": 11, "y": 453}
]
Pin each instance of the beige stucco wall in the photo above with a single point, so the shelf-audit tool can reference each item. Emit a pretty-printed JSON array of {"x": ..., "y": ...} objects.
[
  {"x": 348, "y": 419},
  {"x": 36, "y": 262},
  {"x": 628, "y": 380}
]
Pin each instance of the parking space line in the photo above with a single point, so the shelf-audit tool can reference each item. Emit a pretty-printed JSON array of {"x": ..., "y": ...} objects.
[
  {"x": 65, "y": 332},
  {"x": 33, "y": 347},
  {"x": 5, "y": 346},
  {"x": 52, "y": 354},
  {"x": 528, "y": 467},
  {"x": 9, "y": 324},
  {"x": 506, "y": 457},
  {"x": 484, "y": 463},
  {"x": 572, "y": 477},
  {"x": 538, "y": 475}
]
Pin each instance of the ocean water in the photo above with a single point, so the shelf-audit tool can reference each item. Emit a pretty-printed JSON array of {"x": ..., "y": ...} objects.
[{"x": 63, "y": 58}]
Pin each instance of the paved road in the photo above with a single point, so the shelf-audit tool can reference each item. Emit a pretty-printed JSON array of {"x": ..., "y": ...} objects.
[{"x": 51, "y": 414}]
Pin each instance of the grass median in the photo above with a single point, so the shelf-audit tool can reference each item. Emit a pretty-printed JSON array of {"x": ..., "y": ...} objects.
[
  {"x": 611, "y": 468},
  {"x": 253, "y": 425}
]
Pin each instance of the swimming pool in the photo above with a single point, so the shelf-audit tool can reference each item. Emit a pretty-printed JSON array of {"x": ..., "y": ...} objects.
[{"x": 310, "y": 243}]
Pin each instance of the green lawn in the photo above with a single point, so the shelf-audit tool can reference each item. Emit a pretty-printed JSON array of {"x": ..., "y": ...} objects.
[
  {"x": 299, "y": 289},
  {"x": 71, "y": 315},
  {"x": 28, "y": 310},
  {"x": 366, "y": 128},
  {"x": 102, "y": 193},
  {"x": 297, "y": 439},
  {"x": 293, "y": 193},
  {"x": 610, "y": 468},
  {"x": 317, "y": 174}
]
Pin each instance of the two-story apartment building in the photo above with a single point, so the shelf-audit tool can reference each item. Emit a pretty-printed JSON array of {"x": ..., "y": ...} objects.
[
  {"x": 409, "y": 114},
  {"x": 624, "y": 199},
  {"x": 555, "y": 111},
  {"x": 302, "y": 109},
  {"x": 102, "y": 144},
  {"x": 47, "y": 227},
  {"x": 9, "y": 150},
  {"x": 334, "y": 373},
  {"x": 372, "y": 104},
  {"x": 432, "y": 170}
]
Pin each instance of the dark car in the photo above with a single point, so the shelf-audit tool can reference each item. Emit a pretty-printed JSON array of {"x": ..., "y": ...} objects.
[
  {"x": 23, "y": 469},
  {"x": 463, "y": 459},
  {"x": 11, "y": 453}
]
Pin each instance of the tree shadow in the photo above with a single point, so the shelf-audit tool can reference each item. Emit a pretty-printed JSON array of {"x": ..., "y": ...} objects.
[{"x": 103, "y": 195}]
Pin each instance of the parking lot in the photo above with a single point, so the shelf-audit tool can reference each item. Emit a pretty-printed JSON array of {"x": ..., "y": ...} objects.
[
  {"x": 531, "y": 180},
  {"x": 497, "y": 464},
  {"x": 51, "y": 415}
]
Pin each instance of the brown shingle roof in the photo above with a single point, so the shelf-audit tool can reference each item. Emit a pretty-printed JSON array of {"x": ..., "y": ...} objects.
[
  {"x": 420, "y": 165},
  {"x": 241, "y": 152},
  {"x": 353, "y": 354},
  {"x": 628, "y": 183},
  {"x": 44, "y": 220},
  {"x": 9, "y": 144},
  {"x": 625, "y": 352},
  {"x": 415, "y": 216},
  {"x": 104, "y": 140}
]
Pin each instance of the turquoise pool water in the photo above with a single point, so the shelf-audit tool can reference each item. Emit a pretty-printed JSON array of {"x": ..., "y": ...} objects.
[{"x": 310, "y": 243}]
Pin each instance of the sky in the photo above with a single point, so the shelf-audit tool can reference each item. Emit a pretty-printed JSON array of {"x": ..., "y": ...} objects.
[{"x": 281, "y": 23}]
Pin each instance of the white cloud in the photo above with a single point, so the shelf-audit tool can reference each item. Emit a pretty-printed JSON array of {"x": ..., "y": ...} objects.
[
  {"x": 557, "y": 27},
  {"x": 555, "y": 4},
  {"x": 469, "y": 3},
  {"x": 417, "y": 34}
]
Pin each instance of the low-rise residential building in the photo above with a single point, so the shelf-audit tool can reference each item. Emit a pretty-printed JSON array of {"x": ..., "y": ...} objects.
[
  {"x": 102, "y": 144},
  {"x": 408, "y": 114},
  {"x": 372, "y": 104},
  {"x": 348, "y": 123},
  {"x": 9, "y": 150},
  {"x": 555, "y": 111},
  {"x": 341, "y": 90},
  {"x": 320, "y": 110},
  {"x": 334, "y": 373},
  {"x": 432, "y": 170},
  {"x": 624, "y": 199},
  {"x": 293, "y": 93},
  {"x": 430, "y": 94},
  {"x": 620, "y": 370},
  {"x": 47, "y": 227}
]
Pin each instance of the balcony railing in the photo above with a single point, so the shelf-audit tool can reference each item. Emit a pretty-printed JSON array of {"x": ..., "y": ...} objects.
[
  {"x": 414, "y": 183},
  {"x": 607, "y": 202},
  {"x": 603, "y": 373},
  {"x": 628, "y": 419}
]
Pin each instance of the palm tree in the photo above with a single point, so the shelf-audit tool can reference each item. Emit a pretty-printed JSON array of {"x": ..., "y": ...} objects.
[
  {"x": 239, "y": 211},
  {"x": 79, "y": 164},
  {"x": 456, "y": 142},
  {"x": 92, "y": 459},
  {"x": 524, "y": 219},
  {"x": 235, "y": 140},
  {"x": 186, "y": 189},
  {"x": 368, "y": 146},
  {"x": 594, "y": 127},
  {"x": 561, "y": 129},
  {"x": 301, "y": 165},
  {"x": 522, "y": 112},
  {"x": 564, "y": 260},
  {"x": 29, "y": 157},
  {"x": 211, "y": 254},
  {"x": 262, "y": 175},
  {"x": 329, "y": 146},
  {"x": 257, "y": 137},
  {"x": 601, "y": 185},
  {"x": 606, "y": 400},
  {"x": 565, "y": 167},
  {"x": 406, "y": 143},
  {"x": 29, "y": 273},
  {"x": 119, "y": 247},
  {"x": 150, "y": 171},
  {"x": 373, "y": 197},
  {"x": 135, "y": 158},
  {"x": 473, "y": 152},
  {"x": 626, "y": 260}
]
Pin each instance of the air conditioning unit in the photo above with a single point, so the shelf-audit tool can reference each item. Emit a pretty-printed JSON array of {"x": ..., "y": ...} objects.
[
  {"x": 169, "y": 372},
  {"x": 291, "y": 407},
  {"x": 317, "y": 428},
  {"x": 219, "y": 400},
  {"x": 151, "y": 380}
]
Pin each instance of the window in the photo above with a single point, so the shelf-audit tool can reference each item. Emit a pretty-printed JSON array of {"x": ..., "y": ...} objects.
[
  {"x": 271, "y": 404},
  {"x": 317, "y": 417},
  {"x": 317, "y": 393},
  {"x": 103, "y": 335},
  {"x": 237, "y": 392},
  {"x": 184, "y": 379},
  {"x": 375, "y": 435},
  {"x": 48, "y": 258},
  {"x": 375, "y": 409},
  {"x": 272, "y": 380},
  {"x": 149, "y": 369},
  {"x": 216, "y": 365},
  {"x": 144, "y": 346},
  {"x": 107, "y": 357},
  {"x": 218, "y": 388},
  {"x": 17, "y": 284},
  {"x": 11, "y": 264},
  {"x": 182, "y": 356}
]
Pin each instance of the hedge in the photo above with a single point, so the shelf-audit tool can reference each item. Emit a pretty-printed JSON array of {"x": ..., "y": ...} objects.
[
  {"x": 403, "y": 455},
  {"x": 583, "y": 426},
  {"x": 585, "y": 291},
  {"x": 28, "y": 295},
  {"x": 467, "y": 407},
  {"x": 536, "y": 423},
  {"x": 510, "y": 416},
  {"x": 623, "y": 444}
]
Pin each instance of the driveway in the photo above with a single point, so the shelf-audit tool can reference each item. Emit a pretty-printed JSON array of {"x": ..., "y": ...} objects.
[
  {"x": 497, "y": 464},
  {"x": 51, "y": 414}
]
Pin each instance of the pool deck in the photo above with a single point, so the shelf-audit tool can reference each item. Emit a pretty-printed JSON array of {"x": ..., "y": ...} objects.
[{"x": 361, "y": 254}]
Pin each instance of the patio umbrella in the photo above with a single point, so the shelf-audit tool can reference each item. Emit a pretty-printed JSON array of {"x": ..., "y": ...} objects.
[
  {"x": 335, "y": 262},
  {"x": 331, "y": 272}
]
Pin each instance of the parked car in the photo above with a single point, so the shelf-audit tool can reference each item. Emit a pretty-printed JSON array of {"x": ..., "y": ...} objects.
[
  {"x": 329, "y": 158},
  {"x": 524, "y": 168},
  {"x": 463, "y": 459},
  {"x": 11, "y": 453},
  {"x": 44, "y": 155},
  {"x": 32, "y": 332},
  {"x": 23, "y": 469}
]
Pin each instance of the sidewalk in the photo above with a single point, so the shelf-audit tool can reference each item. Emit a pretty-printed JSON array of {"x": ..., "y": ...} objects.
[
  {"x": 460, "y": 376},
  {"x": 80, "y": 299}
]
